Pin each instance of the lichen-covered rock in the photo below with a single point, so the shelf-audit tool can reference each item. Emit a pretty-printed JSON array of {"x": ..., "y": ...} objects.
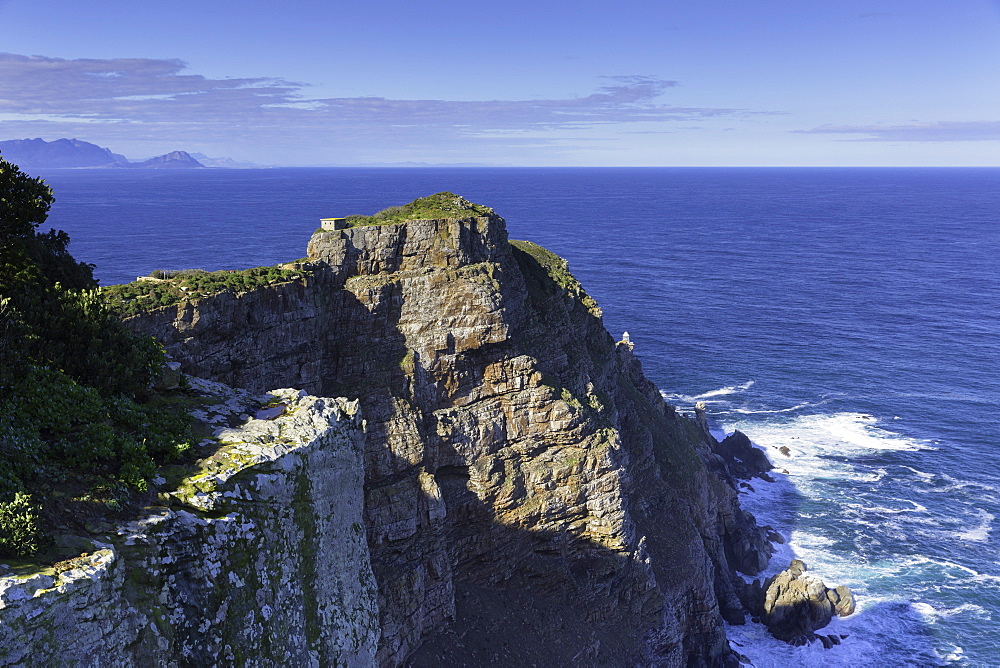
[
  {"x": 260, "y": 558},
  {"x": 529, "y": 496}
]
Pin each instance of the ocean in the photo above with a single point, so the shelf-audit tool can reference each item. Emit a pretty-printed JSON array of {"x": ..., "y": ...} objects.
[{"x": 846, "y": 319}]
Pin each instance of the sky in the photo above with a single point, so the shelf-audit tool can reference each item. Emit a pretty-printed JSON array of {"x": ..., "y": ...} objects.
[{"x": 511, "y": 82}]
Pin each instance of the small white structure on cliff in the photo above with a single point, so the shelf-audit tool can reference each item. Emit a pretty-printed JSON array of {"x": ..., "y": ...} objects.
[{"x": 333, "y": 223}]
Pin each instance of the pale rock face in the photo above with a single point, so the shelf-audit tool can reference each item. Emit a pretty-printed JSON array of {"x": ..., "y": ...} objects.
[
  {"x": 528, "y": 495},
  {"x": 260, "y": 558}
]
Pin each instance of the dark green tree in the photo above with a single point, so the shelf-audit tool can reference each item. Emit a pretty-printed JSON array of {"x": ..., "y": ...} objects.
[{"x": 70, "y": 372}]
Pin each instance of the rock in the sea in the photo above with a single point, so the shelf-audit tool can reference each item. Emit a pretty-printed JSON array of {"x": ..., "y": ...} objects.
[
  {"x": 796, "y": 604},
  {"x": 743, "y": 460}
]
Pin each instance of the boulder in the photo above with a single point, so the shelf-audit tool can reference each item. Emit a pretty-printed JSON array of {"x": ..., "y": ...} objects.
[
  {"x": 170, "y": 376},
  {"x": 743, "y": 460},
  {"x": 796, "y": 604}
]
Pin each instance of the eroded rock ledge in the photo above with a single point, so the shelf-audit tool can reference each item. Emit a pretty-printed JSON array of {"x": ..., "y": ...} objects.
[{"x": 259, "y": 556}]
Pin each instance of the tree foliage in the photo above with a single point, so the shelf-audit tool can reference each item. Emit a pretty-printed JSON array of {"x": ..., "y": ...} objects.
[
  {"x": 24, "y": 201},
  {"x": 72, "y": 376}
]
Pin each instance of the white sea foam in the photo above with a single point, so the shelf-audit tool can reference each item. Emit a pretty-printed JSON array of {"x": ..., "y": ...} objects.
[
  {"x": 810, "y": 440},
  {"x": 933, "y": 614},
  {"x": 679, "y": 399},
  {"x": 980, "y": 532},
  {"x": 920, "y": 474},
  {"x": 791, "y": 409},
  {"x": 724, "y": 391}
]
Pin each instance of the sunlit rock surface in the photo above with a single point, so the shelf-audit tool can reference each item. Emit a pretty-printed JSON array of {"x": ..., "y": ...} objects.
[{"x": 257, "y": 555}]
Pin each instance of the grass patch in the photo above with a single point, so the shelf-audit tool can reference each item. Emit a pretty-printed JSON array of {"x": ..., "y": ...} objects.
[
  {"x": 542, "y": 268},
  {"x": 439, "y": 205}
]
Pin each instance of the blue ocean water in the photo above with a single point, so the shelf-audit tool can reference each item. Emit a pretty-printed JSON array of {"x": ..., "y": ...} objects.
[{"x": 845, "y": 319}]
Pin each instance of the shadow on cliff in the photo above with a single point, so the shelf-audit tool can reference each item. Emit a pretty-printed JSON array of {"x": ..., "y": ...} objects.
[{"x": 459, "y": 584}]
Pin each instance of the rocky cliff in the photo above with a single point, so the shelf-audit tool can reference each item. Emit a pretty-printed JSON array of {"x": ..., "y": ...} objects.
[
  {"x": 528, "y": 496},
  {"x": 256, "y": 556}
]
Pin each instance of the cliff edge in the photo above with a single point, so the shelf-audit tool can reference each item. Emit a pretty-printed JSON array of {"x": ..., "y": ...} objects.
[
  {"x": 528, "y": 495},
  {"x": 256, "y": 555}
]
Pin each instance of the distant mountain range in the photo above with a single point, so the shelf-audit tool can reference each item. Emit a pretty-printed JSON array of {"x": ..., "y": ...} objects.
[{"x": 62, "y": 153}]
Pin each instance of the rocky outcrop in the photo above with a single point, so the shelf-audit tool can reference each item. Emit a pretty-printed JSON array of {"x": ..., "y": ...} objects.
[
  {"x": 743, "y": 461},
  {"x": 794, "y": 605},
  {"x": 528, "y": 494},
  {"x": 256, "y": 556}
]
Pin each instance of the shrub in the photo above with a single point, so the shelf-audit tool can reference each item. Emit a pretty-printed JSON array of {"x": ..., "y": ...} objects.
[
  {"x": 20, "y": 532},
  {"x": 70, "y": 372},
  {"x": 139, "y": 296},
  {"x": 65, "y": 426}
]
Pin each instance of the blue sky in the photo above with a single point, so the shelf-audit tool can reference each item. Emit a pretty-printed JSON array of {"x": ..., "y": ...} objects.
[{"x": 772, "y": 82}]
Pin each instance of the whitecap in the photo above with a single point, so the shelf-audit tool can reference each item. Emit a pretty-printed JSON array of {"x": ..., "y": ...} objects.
[
  {"x": 920, "y": 474},
  {"x": 792, "y": 409},
  {"x": 932, "y": 613},
  {"x": 980, "y": 532},
  {"x": 723, "y": 391}
]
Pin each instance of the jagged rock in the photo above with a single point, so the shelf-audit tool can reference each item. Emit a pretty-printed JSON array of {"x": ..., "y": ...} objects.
[
  {"x": 170, "y": 376},
  {"x": 742, "y": 459},
  {"x": 842, "y": 599},
  {"x": 528, "y": 493},
  {"x": 796, "y": 604}
]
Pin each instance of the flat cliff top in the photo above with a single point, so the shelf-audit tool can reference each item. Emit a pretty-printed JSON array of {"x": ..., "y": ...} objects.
[{"x": 439, "y": 205}]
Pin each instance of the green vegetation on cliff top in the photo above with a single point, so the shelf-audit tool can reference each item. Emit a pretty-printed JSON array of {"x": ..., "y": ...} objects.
[
  {"x": 78, "y": 422},
  {"x": 555, "y": 268},
  {"x": 438, "y": 205},
  {"x": 165, "y": 288}
]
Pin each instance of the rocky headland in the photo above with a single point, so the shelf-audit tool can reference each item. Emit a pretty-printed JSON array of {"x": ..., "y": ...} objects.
[
  {"x": 517, "y": 491},
  {"x": 74, "y": 153}
]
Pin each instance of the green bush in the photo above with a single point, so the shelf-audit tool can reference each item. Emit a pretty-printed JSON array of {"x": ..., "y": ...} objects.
[
  {"x": 176, "y": 286},
  {"x": 20, "y": 532},
  {"x": 52, "y": 427},
  {"x": 72, "y": 378}
]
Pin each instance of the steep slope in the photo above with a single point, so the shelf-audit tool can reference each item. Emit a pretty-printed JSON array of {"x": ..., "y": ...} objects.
[{"x": 528, "y": 494}]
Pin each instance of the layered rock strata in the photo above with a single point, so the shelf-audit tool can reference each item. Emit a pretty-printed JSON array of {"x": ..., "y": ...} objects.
[
  {"x": 256, "y": 557},
  {"x": 528, "y": 495}
]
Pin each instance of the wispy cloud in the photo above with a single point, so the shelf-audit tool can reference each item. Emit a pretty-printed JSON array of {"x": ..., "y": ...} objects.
[
  {"x": 146, "y": 99},
  {"x": 925, "y": 132}
]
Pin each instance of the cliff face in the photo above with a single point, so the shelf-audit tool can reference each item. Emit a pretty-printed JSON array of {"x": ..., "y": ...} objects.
[
  {"x": 528, "y": 495},
  {"x": 257, "y": 555}
]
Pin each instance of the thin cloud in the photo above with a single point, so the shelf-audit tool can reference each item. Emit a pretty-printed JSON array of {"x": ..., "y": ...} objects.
[
  {"x": 916, "y": 132},
  {"x": 146, "y": 98}
]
